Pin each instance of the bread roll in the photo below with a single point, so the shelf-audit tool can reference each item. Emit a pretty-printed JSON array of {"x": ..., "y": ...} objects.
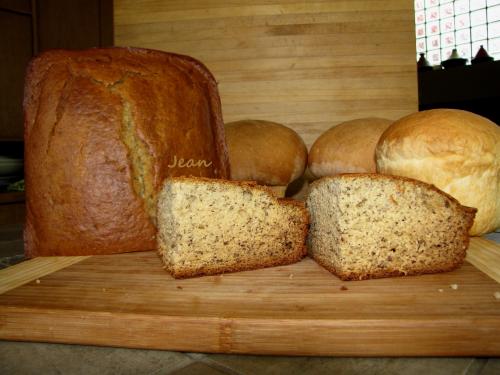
[
  {"x": 208, "y": 226},
  {"x": 457, "y": 151},
  {"x": 348, "y": 147},
  {"x": 267, "y": 152},
  {"x": 367, "y": 226},
  {"x": 103, "y": 128}
]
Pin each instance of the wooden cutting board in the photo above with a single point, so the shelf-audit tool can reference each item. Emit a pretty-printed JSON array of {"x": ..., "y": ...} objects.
[{"x": 128, "y": 300}]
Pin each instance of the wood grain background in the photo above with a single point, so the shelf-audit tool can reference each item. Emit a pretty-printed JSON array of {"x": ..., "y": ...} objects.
[{"x": 306, "y": 64}]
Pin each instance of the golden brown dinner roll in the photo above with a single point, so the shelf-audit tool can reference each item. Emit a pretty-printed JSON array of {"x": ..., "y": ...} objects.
[
  {"x": 348, "y": 147},
  {"x": 263, "y": 151},
  {"x": 457, "y": 151}
]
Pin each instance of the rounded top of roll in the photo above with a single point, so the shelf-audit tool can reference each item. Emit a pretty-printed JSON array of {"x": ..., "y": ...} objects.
[
  {"x": 264, "y": 151},
  {"x": 348, "y": 147}
]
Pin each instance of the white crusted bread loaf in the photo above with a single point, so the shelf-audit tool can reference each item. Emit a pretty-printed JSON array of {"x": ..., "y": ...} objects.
[
  {"x": 455, "y": 150},
  {"x": 372, "y": 225},
  {"x": 211, "y": 226},
  {"x": 267, "y": 152},
  {"x": 348, "y": 147}
]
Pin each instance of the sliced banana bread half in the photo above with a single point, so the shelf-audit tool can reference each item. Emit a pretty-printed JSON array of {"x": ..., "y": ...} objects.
[
  {"x": 371, "y": 225},
  {"x": 210, "y": 226}
]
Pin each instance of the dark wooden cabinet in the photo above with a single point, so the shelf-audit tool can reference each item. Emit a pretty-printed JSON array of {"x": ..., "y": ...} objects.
[
  {"x": 28, "y": 27},
  {"x": 74, "y": 24},
  {"x": 472, "y": 88},
  {"x": 16, "y": 49}
]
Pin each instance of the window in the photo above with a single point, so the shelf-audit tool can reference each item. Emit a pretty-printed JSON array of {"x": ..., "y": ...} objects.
[{"x": 442, "y": 25}]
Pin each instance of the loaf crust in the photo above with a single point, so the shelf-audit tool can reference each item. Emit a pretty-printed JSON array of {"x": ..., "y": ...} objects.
[
  {"x": 103, "y": 128},
  {"x": 353, "y": 276},
  {"x": 249, "y": 261},
  {"x": 351, "y": 269},
  {"x": 295, "y": 256}
]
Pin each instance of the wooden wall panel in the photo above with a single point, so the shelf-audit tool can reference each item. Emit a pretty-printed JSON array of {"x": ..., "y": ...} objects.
[{"x": 307, "y": 64}]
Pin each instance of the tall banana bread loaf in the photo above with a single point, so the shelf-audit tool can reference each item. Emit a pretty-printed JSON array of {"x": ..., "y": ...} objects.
[
  {"x": 103, "y": 129},
  {"x": 208, "y": 226},
  {"x": 371, "y": 225}
]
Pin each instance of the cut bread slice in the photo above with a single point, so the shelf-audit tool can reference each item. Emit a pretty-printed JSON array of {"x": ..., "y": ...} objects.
[
  {"x": 371, "y": 225},
  {"x": 211, "y": 226}
]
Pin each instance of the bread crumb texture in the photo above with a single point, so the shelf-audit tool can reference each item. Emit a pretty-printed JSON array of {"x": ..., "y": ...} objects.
[
  {"x": 370, "y": 226},
  {"x": 210, "y": 226},
  {"x": 264, "y": 151}
]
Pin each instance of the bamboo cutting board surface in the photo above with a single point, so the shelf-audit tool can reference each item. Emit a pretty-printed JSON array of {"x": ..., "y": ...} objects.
[{"x": 129, "y": 300}]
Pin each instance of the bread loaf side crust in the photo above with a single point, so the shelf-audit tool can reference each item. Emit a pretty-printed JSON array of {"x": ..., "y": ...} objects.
[
  {"x": 99, "y": 142},
  {"x": 296, "y": 255},
  {"x": 353, "y": 276}
]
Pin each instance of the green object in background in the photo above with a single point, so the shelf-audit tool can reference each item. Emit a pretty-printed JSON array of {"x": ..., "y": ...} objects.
[{"x": 16, "y": 186}]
